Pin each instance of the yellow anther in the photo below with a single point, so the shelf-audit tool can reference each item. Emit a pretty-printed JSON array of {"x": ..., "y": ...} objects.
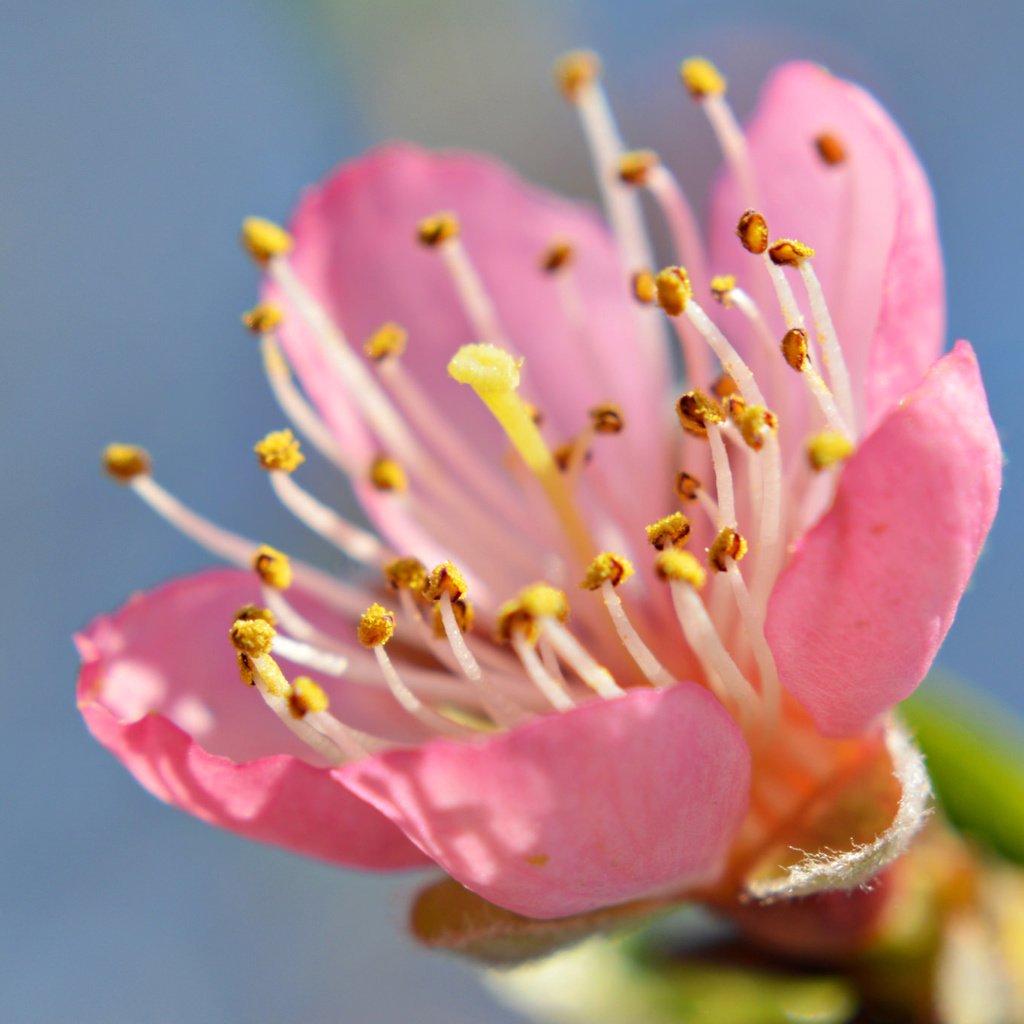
[
  {"x": 252, "y": 637},
  {"x": 306, "y": 698},
  {"x": 576, "y": 70},
  {"x": 465, "y": 616},
  {"x": 279, "y": 450},
  {"x": 687, "y": 486},
  {"x": 681, "y": 566},
  {"x": 557, "y": 256},
  {"x": 534, "y": 413},
  {"x": 541, "y": 600},
  {"x": 124, "y": 462},
  {"x": 696, "y": 410},
  {"x": 254, "y": 611},
  {"x": 444, "y": 578},
  {"x": 722, "y": 286},
  {"x": 376, "y": 627},
  {"x": 510, "y": 619},
  {"x": 387, "y": 475},
  {"x": 735, "y": 406},
  {"x": 827, "y": 449},
  {"x": 406, "y": 572},
  {"x": 388, "y": 341},
  {"x": 608, "y": 567},
  {"x": 724, "y": 386},
  {"x": 788, "y": 252},
  {"x": 272, "y": 566},
  {"x": 757, "y": 424},
  {"x": 635, "y": 167},
  {"x": 606, "y": 418},
  {"x": 794, "y": 348},
  {"x": 263, "y": 239},
  {"x": 263, "y": 319},
  {"x": 245, "y": 669},
  {"x": 752, "y": 231},
  {"x": 565, "y": 455},
  {"x": 674, "y": 290},
  {"x": 701, "y": 78},
  {"x": 728, "y": 544},
  {"x": 486, "y": 368},
  {"x": 669, "y": 532},
  {"x": 432, "y": 231},
  {"x": 830, "y": 148},
  {"x": 645, "y": 289}
]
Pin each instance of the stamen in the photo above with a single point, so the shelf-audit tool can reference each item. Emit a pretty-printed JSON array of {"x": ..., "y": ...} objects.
[
  {"x": 830, "y": 148},
  {"x": 273, "y": 567},
  {"x": 494, "y": 375},
  {"x": 387, "y": 342},
  {"x": 674, "y": 292},
  {"x": 263, "y": 239},
  {"x": 387, "y": 475},
  {"x": 685, "y": 578},
  {"x": 828, "y": 449},
  {"x": 376, "y": 628},
  {"x": 126, "y": 462},
  {"x": 670, "y": 532},
  {"x": 690, "y": 489},
  {"x": 645, "y": 289},
  {"x": 263, "y": 319},
  {"x": 409, "y": 573},
  {"x": 539, "y": 675},
  {"x": 728, "y": 546},
  {"x": 706, "y": 85},
  {"x": 795, "y": 351},
  {"x": 280, "y": 450},
  {"x": 559, "y": 255},
  {"x": 252, "y": 639},
  {"x": 605, "y": 573},
  {"x": 752, "y": 231}
]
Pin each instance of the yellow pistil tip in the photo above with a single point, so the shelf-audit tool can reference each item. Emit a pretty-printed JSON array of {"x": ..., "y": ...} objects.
[
  {"x": 306, "y": 698},
  {"x": 387, "y": 475},
  {"x": 696, "y": 410},
  {"x": 788, "y": 252},
  {"x": 687, "y": 486},
  {"x": 263, "y": 319},
  {"x": 608, "y": 567},
  {"x": 465, "y": 616},
  {"x": 682, "y": 566},
  {"x": 757, "y": 424},
  {"x": 722, "y": 286},
  {"x": 279, "y": 450},
  {"x": 124, "y": 462},
  {"x": 405, "y": 572},
  {"x": 794, "y": 348},
  {"x": 485, "y": 368},
  {"x": 645, "y": 289},
  {"x": 263, "y": 239},
  {"x": 701, "y": 78},
  {"x": 557, "y": 256},
  {"x": 576, "y": 70},
  {"x": 728, "y": 544},
  {"x": 828, "y": 448},
  {"x": 673, "y": 289},
  {"x": 541, "y": 600},
  {"x": 252, "y": 637},
  {"x": 830, "y": 148},
  {"x": 387, "y": 342},
  {"x": 273, "y": 567},
  {"x": 444, "y": 578},
  {"x": 752, "y": 231},
  {"x": 668, "y": 532},
  {"x": 253, "y": 611},
  {"x": 376, "y": 627},
  {"x": 606, "y": 418},
  {"x": 635, "y": 167},
  {"x": 432, "y": 231}
]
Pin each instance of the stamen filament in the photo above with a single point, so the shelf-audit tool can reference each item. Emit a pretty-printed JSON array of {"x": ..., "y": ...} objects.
[
  {"x": 300, "y": 653},
  {"x": 723, "y": 477},
  {"x": 539, "y": 675},
  {"x": 576, "y": 656},
  {"x": 733, "y": 144},
  {"x": 476, "y": 302},
  {"x": 646, "y": 661}
]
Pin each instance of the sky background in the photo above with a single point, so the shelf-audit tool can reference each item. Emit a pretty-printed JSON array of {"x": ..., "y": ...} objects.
[{"x": 136, "y": 135}]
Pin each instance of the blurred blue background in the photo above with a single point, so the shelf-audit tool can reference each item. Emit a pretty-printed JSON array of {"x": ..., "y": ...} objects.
[{"x": 135, "y": 135}]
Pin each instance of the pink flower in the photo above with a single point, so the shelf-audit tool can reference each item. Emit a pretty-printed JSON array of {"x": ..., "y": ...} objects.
[{"x": 685, "y": 724}]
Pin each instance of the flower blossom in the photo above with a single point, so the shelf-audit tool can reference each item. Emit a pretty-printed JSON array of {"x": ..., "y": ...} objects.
[{"x": 622, "y": 630}]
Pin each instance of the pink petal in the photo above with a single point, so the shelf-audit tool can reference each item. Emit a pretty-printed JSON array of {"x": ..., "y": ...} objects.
[
  {"x": 355, "y": 249},
  {"x": 859, "y": 614},
  {"x": 871, "y": 220},
  {"x": 609, "y": 802},
  {"x": 159, "y": 688}
]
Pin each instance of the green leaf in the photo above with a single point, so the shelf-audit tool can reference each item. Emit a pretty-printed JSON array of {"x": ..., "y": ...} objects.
[
  {"x": 600, "y": 983},
  {"x": 975, "y": 754}
]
